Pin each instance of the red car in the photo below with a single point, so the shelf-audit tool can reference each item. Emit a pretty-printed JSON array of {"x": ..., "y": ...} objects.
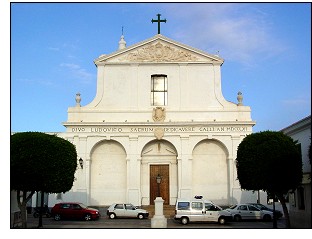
[{"x": 74, "y": 210}]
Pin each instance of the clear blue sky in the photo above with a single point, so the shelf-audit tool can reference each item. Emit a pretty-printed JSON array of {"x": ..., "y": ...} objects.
[{"x": 266, "y": 48}]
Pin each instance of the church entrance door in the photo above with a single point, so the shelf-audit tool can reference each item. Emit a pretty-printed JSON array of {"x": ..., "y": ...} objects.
[{"x": 159, "y": 187}]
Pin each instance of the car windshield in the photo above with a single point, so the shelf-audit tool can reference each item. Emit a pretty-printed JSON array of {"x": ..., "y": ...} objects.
[
  {"x": 211, "y": 207},
  {"x": 82, "y": 205},
  {"x": 261, "y": 207},
  {"x": 219, "y": 208},
  {"x": 232, "y": 207}
]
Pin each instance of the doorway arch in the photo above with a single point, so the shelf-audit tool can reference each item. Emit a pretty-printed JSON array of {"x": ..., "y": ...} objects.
[{"x": 159, "y": 157}]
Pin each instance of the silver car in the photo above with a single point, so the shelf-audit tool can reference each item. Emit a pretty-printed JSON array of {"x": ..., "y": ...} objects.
[
  {"x": 118, "y": 210},
  {"x": 249, "y": 212}
]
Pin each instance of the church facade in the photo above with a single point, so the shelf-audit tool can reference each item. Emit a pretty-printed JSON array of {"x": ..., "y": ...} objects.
[{"x": 158, "y": 126}]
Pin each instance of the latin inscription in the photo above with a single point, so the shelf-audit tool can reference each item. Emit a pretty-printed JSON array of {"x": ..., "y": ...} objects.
[
  {"x": 105, "y": 130},
  {"x": 166, "y": 129}
]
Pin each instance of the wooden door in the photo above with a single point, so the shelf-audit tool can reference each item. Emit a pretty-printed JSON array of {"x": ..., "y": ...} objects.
[{"x": 163, "y": 171}]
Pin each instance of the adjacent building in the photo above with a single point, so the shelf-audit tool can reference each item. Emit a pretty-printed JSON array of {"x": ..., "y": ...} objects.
[{"x": 300, "y": 199}]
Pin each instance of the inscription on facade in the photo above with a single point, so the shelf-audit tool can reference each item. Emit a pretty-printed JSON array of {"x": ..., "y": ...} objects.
[{"x": 188, "y": 129}]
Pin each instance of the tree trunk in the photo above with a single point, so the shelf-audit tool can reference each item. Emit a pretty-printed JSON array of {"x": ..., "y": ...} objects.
[
  {"x": 41, "y": 209},
  {"x": 23, "y": 215},
  {"x": 285, "y": 209},
  {"x": 22, "y": 205}
]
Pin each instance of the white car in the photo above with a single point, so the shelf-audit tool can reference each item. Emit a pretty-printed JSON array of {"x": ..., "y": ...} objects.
[
  {"x": 126, "y": 210},
  {"x": 200, "y": 210},
  {"x": 249, "y": 212}
]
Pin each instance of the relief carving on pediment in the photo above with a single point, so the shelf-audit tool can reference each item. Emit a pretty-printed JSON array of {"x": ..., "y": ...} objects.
[{"x": 159, "y": 53}]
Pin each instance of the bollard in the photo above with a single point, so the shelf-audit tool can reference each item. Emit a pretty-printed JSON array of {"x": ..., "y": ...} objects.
[{"x": 159, "y": 220}]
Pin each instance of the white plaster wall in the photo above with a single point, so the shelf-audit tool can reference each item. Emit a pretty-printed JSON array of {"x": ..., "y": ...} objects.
[
  {"x": 303, "y": 136},
  {"x": 108, "y": 178},
  {"x": 194, "y": 93},
  {"x": 210, "y": 171}
]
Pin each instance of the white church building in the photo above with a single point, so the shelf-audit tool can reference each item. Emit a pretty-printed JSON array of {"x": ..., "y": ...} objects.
[{"x": 158, "y": 112}]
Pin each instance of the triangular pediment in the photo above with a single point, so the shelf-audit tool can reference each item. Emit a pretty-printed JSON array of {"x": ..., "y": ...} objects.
[{"x": 158, "y": 49}]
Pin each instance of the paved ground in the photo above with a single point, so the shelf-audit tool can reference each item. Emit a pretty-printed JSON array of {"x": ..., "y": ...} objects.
[{"x": 105, "y": 222}]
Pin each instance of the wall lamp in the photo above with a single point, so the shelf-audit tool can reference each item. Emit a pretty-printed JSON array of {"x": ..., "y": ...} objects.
[
  {"x": 158, "y": 181},
  {"x": 81, "y": 162}
]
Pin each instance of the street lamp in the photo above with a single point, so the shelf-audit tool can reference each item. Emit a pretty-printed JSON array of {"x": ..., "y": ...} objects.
[{"x": 158, "y": 180}]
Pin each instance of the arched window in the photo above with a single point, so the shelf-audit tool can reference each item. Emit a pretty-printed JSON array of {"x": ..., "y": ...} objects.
[{"x": 159, "y": 90}]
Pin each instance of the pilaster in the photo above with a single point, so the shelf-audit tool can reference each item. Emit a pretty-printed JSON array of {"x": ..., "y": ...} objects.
[
  {"x": 185, "y": 169},
  {"x": 133, "y": 172}
]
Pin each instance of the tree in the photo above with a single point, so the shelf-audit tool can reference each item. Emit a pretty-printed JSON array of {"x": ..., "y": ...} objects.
[
  {"x": 40, "y": 162},
  {"x": 270, "y": 161}
]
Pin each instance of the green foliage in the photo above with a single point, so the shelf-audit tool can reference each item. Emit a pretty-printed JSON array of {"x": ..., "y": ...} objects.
[
  {"x": 269, "y": 161},
  {"x": 42, "y": 162}
]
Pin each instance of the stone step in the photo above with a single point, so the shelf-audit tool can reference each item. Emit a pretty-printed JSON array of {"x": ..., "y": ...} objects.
[{"x": 168, "y": 210}]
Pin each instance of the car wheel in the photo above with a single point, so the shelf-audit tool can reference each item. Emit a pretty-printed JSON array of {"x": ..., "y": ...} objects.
[
  {"x": 112, "y": 215},
  {"x": 222, "y": 220},
  {"x": 57, "y": 217},
  {"x": 267, "y": 218},
  {"x": 237, "y": 218},
  {"x": 87, "y": 217},
  {"x": 184, "y": 220},
  {"x": 140, "y": 216}
]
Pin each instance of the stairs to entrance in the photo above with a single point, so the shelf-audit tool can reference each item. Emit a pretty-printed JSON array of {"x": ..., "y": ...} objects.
[{"x": 168, "y": 210}]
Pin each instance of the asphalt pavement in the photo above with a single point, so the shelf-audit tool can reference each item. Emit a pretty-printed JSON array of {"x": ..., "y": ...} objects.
[{"x": 105, "y": 222}]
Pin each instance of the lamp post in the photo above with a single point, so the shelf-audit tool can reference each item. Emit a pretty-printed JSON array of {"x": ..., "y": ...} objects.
[
  {"x": 158, "y": 180},
  {"x": 274, "y": 214}
]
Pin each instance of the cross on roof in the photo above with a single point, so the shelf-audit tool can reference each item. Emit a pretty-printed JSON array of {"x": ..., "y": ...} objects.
[{"x": 159, "y": 21}]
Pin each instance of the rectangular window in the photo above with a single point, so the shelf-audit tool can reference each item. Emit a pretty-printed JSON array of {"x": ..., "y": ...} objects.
[
  {"x": 159, "y": 90},
  {"x": 183, "y": 205},
  {"x": 129, "y": 207},
  {"x": 119, "y": 206},
  {"x": 65, "y": 206},
  {"x": 197, "y": 205}
]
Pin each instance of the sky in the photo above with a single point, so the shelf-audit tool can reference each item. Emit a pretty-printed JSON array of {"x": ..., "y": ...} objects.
[
  {"x": 266, "y": 49},
  {"x": 52, "y": 46}
]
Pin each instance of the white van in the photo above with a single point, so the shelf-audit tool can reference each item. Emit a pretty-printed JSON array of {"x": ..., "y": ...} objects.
[{"x": 200, "y": 210}]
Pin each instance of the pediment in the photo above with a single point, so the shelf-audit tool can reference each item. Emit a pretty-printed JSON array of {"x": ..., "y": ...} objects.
[{"x": 159, "y": 50}]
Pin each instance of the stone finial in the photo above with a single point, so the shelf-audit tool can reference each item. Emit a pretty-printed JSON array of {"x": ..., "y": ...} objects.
[
  {"x": 78, "y": 99},
  {"x": 122, "y": 43},
  {"x": 240, "y": 98}
]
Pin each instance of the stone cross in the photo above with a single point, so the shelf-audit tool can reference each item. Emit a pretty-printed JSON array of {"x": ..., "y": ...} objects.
[{"x": 159, "y": 21}]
